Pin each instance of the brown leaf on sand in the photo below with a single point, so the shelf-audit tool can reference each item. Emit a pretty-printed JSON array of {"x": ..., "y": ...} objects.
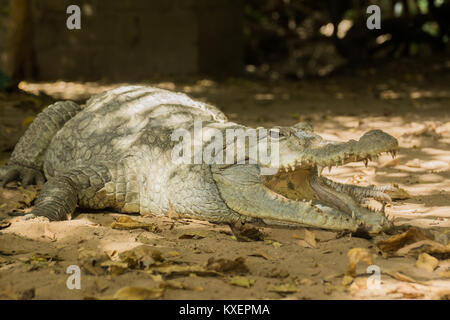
[
  {"x": 141, "y": 257},
  {"x": 224, "y": 265},
  {"x": 308, "y": 241},
  {"x": 126, "y": 223},
  {"x": 192, "y": 236},
  {"x": 429, "y": 246},
  {"x": 246, "y": 233},
  {"x": 14, "y": 200},
  {"x": 172, "y": 284},
  {"x": 115, "y": 267},
  {"x": 241, "y": 281},
  {"x": 284, "y": 288},
  {"x": 310, "y": 238},
  {"x": 356, "y": 255},
  {"x": 183, "y": 270},
  {"x": 402, "y": 277},
  {"x": 347, "y": 280},
  {"x": 398, "y": 241},
  {"x": 138, "y": 293},
  {"x": 100, "y": 284},
  {"x": 262, "y": 254},
  {"x": 427, "y": 262},
  {"x": 4, "y": 224},
  {"x": 90, "y": 261},
  {"x": 304, "y": 244}
]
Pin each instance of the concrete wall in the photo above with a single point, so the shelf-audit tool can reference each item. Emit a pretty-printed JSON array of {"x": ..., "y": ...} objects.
[
  {"x": 124, "y": 40},
  {"x": 4, "y": 11}
]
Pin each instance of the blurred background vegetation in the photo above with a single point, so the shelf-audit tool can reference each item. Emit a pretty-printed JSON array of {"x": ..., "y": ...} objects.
[
  {"x": 299, "y": 38},
  {"x": 288, "y": 39}
]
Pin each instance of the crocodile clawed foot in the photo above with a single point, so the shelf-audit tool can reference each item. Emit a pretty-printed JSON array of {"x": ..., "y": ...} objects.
[
  {"x": 23, "y": 174},
  {"x": 245, "y": 233}
]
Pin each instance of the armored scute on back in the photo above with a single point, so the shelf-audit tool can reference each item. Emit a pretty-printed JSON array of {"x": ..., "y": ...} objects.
[{"x": 143, "y": 149}]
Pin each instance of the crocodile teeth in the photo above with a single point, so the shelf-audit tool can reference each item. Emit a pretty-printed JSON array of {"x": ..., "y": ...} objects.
[
  {"x": 393, "y": 153},
  {"x": 319, "y": 170}
]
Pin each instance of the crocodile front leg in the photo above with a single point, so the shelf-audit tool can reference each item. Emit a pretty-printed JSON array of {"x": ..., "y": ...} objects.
[
  {"x": 61, "y": 193},
  {"x": 27, "y": 158}
]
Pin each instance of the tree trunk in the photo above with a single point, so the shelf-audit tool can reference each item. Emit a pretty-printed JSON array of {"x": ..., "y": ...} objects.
[{"x": 21, "y": 62}]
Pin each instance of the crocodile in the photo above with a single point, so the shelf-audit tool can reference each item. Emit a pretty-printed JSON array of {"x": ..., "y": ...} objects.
[{"x": 116, "y": 152}]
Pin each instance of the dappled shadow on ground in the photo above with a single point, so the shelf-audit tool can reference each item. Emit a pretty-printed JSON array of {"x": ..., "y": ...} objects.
[{"x": 412, "y": 105}]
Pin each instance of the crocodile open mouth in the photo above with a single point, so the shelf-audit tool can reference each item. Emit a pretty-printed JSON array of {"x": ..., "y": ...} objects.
[{"x": 307, "y": 184}]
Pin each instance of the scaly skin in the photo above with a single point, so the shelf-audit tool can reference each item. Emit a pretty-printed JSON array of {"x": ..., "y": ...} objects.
[{"x": 116, "y": 152}]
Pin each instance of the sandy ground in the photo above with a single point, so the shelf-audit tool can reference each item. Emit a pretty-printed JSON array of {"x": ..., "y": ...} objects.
[{"x": 190, "y": 259}]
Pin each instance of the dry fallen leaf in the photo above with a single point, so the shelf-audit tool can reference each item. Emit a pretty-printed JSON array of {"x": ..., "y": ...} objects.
[
  {"x": 427, "y": 262},
  {"x": 310, "y": 238},
  {"x": 306, "y": 282},
  {"x": 356, "y": 255},
  {"x": 225, "y": 265},
  {"x": 137, "y": 293},
  {"x": 126, "y": 223},
  {"x": 90, "y": 261},
  {"x": 402, "y": 277},
  {"x": 192, "y": 236},
  {"x": 304, "y": 244},
  {"x": 277, "y": 273},
  {"x": 347, "y": 280},
  {"x": 101, "y": 284},
  {"x": 429, "y": 246},
  {"x": 241, "y": 281},
  {"x": 260, "y": 253},
  {"x": 183, "y": 270},
  {"x": 178, "y": 285},
  {"x": 4, "y": 224},
  {"x": 115, "y": 267},
  {"x": 284, "y": 288},
  {"x": 246, "y": 233},
  {"x": 141, "y": 257},
  {"x": 398, "y": 241}
]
